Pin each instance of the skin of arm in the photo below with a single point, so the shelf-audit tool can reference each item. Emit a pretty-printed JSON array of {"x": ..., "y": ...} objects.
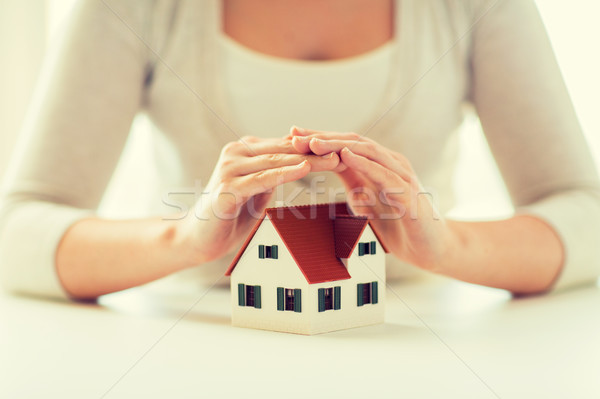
[
  {"x": 97, "y": 257},
  {"x": 522, "y": 254}
]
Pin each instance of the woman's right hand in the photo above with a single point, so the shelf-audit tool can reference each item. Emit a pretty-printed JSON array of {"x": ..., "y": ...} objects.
[{"x": 239, "y": 189}]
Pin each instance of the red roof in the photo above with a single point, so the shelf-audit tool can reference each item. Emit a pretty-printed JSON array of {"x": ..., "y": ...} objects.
[
  {"x": 347, "y": 230},
  {"x": 316, "y": 236}
]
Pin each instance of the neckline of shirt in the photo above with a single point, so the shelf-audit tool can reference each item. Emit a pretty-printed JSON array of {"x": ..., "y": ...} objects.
[
  {"x": 400, "y": 60},
  {"x": 382, "y": 51}
]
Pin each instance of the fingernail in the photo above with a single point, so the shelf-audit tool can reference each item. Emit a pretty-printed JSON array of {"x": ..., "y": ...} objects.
[
  {"x": 346, "y": 149},
  {"x": 298, "y": 129},
  {"x": 327, "y": 156}
]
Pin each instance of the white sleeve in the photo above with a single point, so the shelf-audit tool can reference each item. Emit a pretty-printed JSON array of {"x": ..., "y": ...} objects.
[
  {"x": 533, "y": 132},
  {"x": 74, "y": 137}
]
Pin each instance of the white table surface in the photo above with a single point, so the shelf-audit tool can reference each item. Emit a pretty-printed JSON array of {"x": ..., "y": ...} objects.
[{"x": 441, "y": 339}]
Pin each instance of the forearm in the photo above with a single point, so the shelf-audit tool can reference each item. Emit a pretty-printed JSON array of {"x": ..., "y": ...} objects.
[
  {"x": 521, "y": 254},
  {"x": 97, "y": 257}
]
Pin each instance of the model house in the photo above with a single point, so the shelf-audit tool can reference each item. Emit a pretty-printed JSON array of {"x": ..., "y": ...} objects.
[{"x": 308, "y": 270}]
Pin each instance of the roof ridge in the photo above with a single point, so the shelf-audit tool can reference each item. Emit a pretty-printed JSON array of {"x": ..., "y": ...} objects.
[
  {"x": 306, "y": 205},
  {"x": 360, "y": 217}
]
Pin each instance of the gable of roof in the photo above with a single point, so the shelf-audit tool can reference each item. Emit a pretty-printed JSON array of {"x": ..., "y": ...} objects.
[
  {"x": 316, "y": 236},
  {"x": 308, "y": 233},
  {"x": 347, "y": 230}
]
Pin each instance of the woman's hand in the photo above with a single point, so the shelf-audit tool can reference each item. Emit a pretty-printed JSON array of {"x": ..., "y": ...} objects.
[
  {"x": 240, "y": 188},
  {"x": 382, "y": 185}
]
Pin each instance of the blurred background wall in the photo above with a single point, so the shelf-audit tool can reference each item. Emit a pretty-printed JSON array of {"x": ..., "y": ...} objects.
[
  {"x": 30, "y": 28},
  {"x": 23, "y": 34}
]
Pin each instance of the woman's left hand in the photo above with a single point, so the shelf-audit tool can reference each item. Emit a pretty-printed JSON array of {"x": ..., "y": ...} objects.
[{"x": 382, "y": 185}]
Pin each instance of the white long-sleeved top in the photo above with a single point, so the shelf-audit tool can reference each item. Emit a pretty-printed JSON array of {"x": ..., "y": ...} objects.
[{"x": 164, "y": 58}]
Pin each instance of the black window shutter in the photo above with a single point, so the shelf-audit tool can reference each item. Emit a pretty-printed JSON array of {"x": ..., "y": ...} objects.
[
  {"x": 297, "y": 300},
  {"x": 337, "y": 298},
  {"x": 373, "y": 246},
  {"x": 359, "y": 294},
  {"x": 241, "y": 295},
  {"x": 361, "y": 248},
  {"x": 321, "y": 299},
  {"x": 261, "y": 251},
  {"x": 257, "y": 304},
  {"x": 274, "y": 253},
  {"x": 280, "y": 299},
  {"x": 374, "y": 293}
]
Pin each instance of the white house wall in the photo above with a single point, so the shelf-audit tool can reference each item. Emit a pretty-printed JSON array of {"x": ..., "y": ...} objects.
[
  {"x": 283, "y": 272},
  {"x": 269, "y": 274},
  {"x": 363, "y": 269},
  {"x": 367, "y": 267}
]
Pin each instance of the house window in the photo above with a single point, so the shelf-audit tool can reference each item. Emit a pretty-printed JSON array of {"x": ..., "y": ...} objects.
[
  {"x": 367, "y": 248},
  {"x": 267, "y": 251},
  {"x": 249, "y": 295},
  {"x": 289, "y": 299},
  {"x": 367, "y": 293},
  {"x": 330, "y": 298}
]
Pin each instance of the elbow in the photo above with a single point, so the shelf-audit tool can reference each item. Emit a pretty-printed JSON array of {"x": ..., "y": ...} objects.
[
  {"x": 575, "y": 217},
  {"x": 27, "y": 233}
]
